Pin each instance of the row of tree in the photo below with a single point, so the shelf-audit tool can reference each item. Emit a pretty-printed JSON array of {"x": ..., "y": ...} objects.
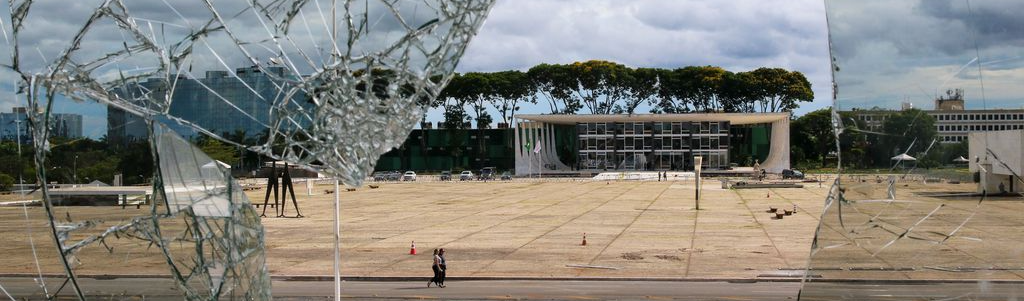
[
  {"x": 87, "y": 160},
  {"x": 908, "y": 131},
  {"x": 603, "y": 87}
]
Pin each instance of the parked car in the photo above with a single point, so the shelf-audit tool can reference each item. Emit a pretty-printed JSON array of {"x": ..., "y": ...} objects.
[
  {"x": 380, "y": 176},
  {"x": 486, "y": 173},
  {"x": 466, "y": 175},
  {"x": 409, "y": 176},
  {"x": 506, "y": 176},
  {"x": 792, "y": 174},
  {"x": 446, "y": 176},
  {"x": 394, "y": 176}
]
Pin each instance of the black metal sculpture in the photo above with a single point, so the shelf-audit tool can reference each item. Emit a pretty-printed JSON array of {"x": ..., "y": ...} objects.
[{"x": 286, "y": 189}]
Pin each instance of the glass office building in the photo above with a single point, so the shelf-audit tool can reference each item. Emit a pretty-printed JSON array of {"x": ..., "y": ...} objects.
[
  {"x": 15, "y": 124},
  {"x": 210, "y": 103}
]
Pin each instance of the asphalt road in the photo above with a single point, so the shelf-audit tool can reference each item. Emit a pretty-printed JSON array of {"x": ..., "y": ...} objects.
[{"x": 162, "y": 289}]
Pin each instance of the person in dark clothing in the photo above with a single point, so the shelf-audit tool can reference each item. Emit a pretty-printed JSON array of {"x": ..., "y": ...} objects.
[
  {"x": 444, "y": 267},
  {"x": 438, "y": 270}
]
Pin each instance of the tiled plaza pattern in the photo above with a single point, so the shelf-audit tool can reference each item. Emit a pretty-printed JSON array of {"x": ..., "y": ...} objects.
[{"x": 521, "y": 228}]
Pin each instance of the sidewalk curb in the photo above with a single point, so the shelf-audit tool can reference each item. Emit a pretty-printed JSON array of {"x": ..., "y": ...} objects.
[{"x": 523, "y": 278}]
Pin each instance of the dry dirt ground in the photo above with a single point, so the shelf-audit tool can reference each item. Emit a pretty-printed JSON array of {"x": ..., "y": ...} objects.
[{"x": 520, "y": 228}]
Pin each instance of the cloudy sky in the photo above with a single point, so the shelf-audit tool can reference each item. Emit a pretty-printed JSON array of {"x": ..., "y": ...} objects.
[
  {"x": 887, "y": 51},
  {"x": 738, "y": 35}
]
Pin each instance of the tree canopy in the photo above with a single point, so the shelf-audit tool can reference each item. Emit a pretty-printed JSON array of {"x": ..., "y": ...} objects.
[
  {"x": 605, "y": 87},
  {"x": 910, "y": 131}
]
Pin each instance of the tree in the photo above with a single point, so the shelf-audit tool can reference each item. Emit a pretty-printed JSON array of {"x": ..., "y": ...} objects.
[
  {"x": 452, "y": 104},
  {"x": 736, "y": 92},
  {"x": 673, "y": 91},
  {"x": 555, "y": 83},
  {"x": 692, "y": 89},
  {"x": 136, "y": 163},
  {"x": 707, "y": 87},
  {"x": 474, "y": 90},
  {"x": 777, "y": 89},
  {"x": 643, "y": 87},
  {"x": 814, "y": 136},
  {"x": 217, "y": 150},
  {"x": 907, "y": 131},
  {"x": 953, "y": 151},
  {"x": 510, "y": 88},
  {"x": 6, "y": 182},
  {"x": 813, "y": 133},
  {"x": 601, "y": 85}
]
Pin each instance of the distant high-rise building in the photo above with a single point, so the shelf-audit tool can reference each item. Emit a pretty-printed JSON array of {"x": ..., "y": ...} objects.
[
  {"x": 219, "y": 103},
  {"x": 66, "y": 125},
  {"x": 16, "y": 123}
]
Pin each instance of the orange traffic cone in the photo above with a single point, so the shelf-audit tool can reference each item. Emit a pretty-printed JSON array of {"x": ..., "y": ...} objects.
[
  {"x": 584, "y": 239},
  {"x": 412, "y": 251}
]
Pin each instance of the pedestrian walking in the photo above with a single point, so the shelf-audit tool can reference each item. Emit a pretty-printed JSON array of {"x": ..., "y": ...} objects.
[
  {"x": 437, "y": 270},
  {"x": 444, "y": 267}
]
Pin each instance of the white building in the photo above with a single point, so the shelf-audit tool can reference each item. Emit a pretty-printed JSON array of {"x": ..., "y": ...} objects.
[
  {"x": 997, "y": 156},
  {"x": 952, "y": 126},
  {"x": 659, "y": 142}
]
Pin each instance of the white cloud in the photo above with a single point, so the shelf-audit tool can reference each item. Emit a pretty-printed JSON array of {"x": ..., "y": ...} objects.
[{"x": 737, "y": 35}]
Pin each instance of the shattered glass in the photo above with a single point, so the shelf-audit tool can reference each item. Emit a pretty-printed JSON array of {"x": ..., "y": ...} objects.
[
  {"x": 327, "y": 84},
  {"x": 931, "y": 225}
]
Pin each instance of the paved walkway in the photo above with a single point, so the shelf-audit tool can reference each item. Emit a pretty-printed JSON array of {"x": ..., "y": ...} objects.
[
  {"x": 530, "y": 229},
  {"x": 633, "y": 229},
  {"x": 161, "y": 289}
]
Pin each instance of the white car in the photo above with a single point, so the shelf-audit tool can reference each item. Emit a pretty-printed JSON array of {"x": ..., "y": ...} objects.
[
  {"x": 409, "y": 176},
  {"x": 466, "y": 175}
]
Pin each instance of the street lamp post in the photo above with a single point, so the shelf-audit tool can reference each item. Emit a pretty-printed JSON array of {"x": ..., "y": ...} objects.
[{"x": 21, "y": 169}]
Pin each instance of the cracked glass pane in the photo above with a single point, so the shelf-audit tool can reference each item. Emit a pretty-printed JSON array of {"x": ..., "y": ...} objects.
[
  {"x": 929, "y": 132},
  {"x": 136, "y": 114}
]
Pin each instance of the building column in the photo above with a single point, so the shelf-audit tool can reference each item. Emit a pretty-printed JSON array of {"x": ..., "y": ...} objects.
[
  {"x": 778, "y": 154},
  {"x": 517, "y": 146}
]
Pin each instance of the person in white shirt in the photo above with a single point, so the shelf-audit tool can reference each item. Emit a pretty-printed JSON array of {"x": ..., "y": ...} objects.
[{"x": 438, "y": 270}]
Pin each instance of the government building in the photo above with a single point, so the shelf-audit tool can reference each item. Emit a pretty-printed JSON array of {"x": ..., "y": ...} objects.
[
  {"x": 651, "y": 142},
  {"x": 952, "y": 121},
  {"x": 582, "y": 144}
]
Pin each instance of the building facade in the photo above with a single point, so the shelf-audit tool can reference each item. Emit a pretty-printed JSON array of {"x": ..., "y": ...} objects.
[
  {"x": 16, "y": 123},
  {"x": 642, "y": 141},
  {"x": 211, "y": 103},
  {"x": 585, "y": 147},
  {"x": 451, "y": 149},
  {"x": 997, "y": 159},
  {"x": 651, "y": 145},
  {"x": 953, "y": 126}
]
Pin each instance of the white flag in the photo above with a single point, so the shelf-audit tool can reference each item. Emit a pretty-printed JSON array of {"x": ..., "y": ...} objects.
[{"x": 536, "y": 149}]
